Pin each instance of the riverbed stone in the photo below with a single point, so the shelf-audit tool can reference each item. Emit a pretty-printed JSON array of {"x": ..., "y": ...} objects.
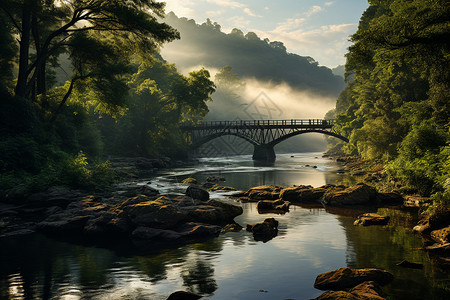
[
  {"x": 159, "y": 213},
  {"x": 193, "y": 230},
  {"x": 189, "y": 180},
  {"x": 264, "y": 231},
  {"x": 371, "y": 219},
  {"x": 182, "y": 295},
  {"x": 368, "y": 290},
  {"x": 147, "y": 233},
  {"x": 344, "y": 278},
  {"x": 197, "y": 192},
  {"x": 354, "y": 195},
  {"x": 299, "y": 194},
  {"x": 273, "y": 206},
  {"x": 263, "y": 192}
]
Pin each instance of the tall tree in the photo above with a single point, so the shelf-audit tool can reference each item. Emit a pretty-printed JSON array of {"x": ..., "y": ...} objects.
[{"x": 46, "y": 28}]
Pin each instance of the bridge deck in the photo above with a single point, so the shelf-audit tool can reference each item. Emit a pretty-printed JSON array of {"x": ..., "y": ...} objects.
[{"x": 263, "y": 124}]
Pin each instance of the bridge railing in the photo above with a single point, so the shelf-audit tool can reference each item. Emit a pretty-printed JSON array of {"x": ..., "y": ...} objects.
[{"x": 289, "y": 122}]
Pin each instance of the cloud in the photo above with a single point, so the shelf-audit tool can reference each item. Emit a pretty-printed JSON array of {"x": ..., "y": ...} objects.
[
  {"x": 326, "y": 43},
  {"x": 314, "y": 10},
  {"x": 181, "y": 8},
  {"x": 290, "y": 24},
  {"x": 239, "y": 22},
  {"x": 329, "y": 3},
  {"x": 250, "y": 13},
  {"x": 227, "y": 3}
]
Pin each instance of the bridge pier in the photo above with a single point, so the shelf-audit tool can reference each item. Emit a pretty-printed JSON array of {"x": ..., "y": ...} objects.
[{"x": 264, "y": 152}]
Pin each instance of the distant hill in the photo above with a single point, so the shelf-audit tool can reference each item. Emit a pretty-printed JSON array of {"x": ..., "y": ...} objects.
[
  {"x": 339, "y": 71},
  {"x": 248, "y": 55}
]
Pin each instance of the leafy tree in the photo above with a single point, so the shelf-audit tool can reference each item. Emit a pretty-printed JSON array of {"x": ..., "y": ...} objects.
[
  {"x": 48, "y": 28},
  {"x": 396, "y": 105}
]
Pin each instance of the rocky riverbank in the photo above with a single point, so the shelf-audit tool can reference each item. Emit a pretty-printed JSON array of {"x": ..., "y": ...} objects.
[{"x": 129, "y": 211}]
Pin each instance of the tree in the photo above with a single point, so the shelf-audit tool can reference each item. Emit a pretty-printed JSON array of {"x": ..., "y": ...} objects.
[{"x": 48, "y": 28}]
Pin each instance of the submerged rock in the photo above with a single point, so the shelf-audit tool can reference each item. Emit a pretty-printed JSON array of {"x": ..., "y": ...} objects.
[
  {"x": 371, "y": 219},
  {"x": 345, "y": 278}
]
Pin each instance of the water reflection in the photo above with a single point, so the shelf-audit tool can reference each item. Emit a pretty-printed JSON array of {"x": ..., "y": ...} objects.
[{"x": 311, "y": 240}]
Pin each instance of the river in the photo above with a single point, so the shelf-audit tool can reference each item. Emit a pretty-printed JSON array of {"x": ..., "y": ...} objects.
[{"x": 311, "y": 240}]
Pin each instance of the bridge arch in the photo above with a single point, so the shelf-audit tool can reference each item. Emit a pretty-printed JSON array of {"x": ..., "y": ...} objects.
[
  {"x": 295, "y": 133},
  {"x": 213, "y": 136}
]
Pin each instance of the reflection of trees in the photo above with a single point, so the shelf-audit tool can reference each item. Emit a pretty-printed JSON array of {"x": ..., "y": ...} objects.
[
  {"x": 384, "y": 247},
  {"x": 198, "y": 276}
]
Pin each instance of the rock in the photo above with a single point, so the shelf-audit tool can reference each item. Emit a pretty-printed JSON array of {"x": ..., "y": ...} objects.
[
  {"x": 390, "y": 198},
  {"x": 23, "y": 231},
  {"x": 65, "y": 224},
  {"x": 213, "y": 212},
  {"x": 193, "y": 230},
  {"x": 197, "y": 192},
  {"x": 440, "y": 218},
  {"x": 135, "y": 200},
  {"x": 181, "y": 295},
  {"x": 264, "y": 192},
  {"x": 217, "y": 187},
  {"x": 264, "y": 231},
  {"x": 141, "y": 190},
  {"x": 302, "y": 193},
  {"x": 108, "y": 223},
  {"x": 277, "y": 205},
  {"x": 54, "y": 196},
  {"x": 411, "y": 265},
  {"x": 441, "y": 236},
  {"x": 189, "y": 181},
  {"x": 344, "y": 278},
  {"x": 368, "y": 290},
  {"x": 371, "y": 219},
  {"x": 358, "y": 194},
  {"x": 416, "y": 201},
  {"x": 423, "y": 227},
  {"x": 146, "y": 233},
  {"x": 215, "y": 179},
  {"x": 234, "y": 227},
  {"x": 159, "y": 213}
]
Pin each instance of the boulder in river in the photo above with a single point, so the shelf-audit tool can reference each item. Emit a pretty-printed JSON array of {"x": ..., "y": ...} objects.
[
  {"x": 300, "y": 194},
  {"x": 272, "y": 206},
  {"x": 189, "y": 180},
  {"x": 197, "y": 192},
  {"x": 264, "y": 192},
  {"x": 182, "y": 295},
  {"x": 264, "y": 231},
  {"x": 354, "y": 195},
  {"x": 371, "y": 219},
  {"x": 345, "y": 278},
  {"x": 368, "y": 290}
]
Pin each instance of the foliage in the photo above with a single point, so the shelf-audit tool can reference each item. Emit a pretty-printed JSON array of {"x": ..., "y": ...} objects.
[
  {"x": 115, "y": 97},
  {"x": 396, "y": 106}
]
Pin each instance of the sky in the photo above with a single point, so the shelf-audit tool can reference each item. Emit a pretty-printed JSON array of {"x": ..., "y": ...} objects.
[{"x": 316, "y": 28}]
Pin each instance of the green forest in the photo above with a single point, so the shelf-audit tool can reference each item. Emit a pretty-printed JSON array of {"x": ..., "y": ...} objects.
[
  {"x": 119, "y": 97},
  {"x": 122, "y": 98},
  {"x": 396, "y": 106}
]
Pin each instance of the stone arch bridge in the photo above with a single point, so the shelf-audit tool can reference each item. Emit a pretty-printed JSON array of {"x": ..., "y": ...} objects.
[{"x": 262, "y": 134}]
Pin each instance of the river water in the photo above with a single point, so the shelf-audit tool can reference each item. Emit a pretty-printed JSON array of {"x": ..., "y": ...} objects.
[{"x": 311, "y": 241}]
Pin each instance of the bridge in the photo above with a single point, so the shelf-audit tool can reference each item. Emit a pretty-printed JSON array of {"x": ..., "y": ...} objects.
[{"x": 263, "y": 134}]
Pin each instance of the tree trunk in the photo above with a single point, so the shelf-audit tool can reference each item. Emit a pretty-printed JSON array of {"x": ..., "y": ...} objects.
[{"x": 21, "y": 86}]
